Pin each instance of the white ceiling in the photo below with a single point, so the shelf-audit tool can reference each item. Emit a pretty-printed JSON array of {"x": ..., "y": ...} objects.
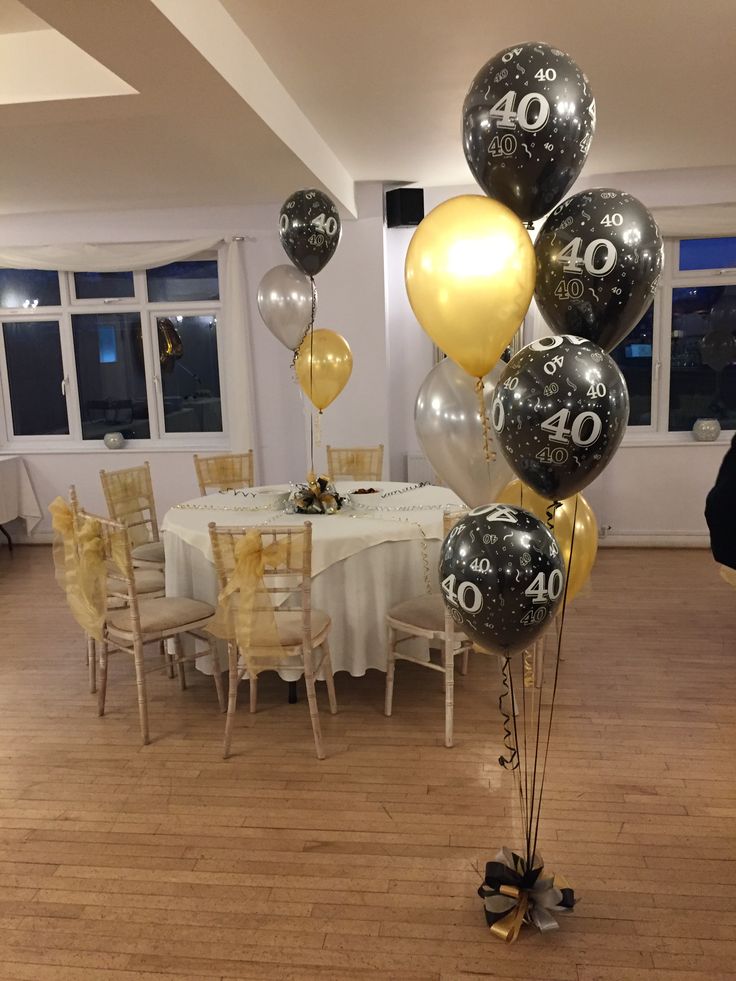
[{"x": 345, "y": 90}]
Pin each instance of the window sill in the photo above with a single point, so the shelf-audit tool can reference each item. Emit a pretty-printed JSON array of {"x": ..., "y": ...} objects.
[
  {"x": 633, "y": 439},
  {"x": 97, "y": 446}
]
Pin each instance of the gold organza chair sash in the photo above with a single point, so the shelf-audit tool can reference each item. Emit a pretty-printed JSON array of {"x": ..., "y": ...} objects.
[
  {"x": 81, "y": 569},
  {"x": 245, "y": 612}
]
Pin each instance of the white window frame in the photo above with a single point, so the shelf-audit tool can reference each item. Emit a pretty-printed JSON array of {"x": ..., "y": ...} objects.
[
  {"x": 658, "y": 433},
  {"x": 159, "y": 439}
]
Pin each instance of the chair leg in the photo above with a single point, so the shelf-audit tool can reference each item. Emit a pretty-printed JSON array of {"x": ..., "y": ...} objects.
[
  {"x": 449, "y": 658},
  {"x": 253, "y": 693},
  {"x": 464, "y": 662},
  {"x": 312, "y": 699},
  {"x": 92, "y": 664},
  {"x": 390, "y": 670},
  {"x": 168, "y": 659},
  {"x": 329, "y": 677},
  {"x": 140, "y": 679},
  {"x": 217, "y": 675},
  {"x": 179, "y": 659},
  {"x": 102, "y": 689},
  {"x": 232, "y": 698}
]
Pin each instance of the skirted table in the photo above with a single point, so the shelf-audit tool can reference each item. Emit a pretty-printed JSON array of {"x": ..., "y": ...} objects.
[{"x": 377, "y": 551}]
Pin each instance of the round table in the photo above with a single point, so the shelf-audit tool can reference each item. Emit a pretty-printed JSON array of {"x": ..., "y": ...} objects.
[{"x": 378, "y": 550}]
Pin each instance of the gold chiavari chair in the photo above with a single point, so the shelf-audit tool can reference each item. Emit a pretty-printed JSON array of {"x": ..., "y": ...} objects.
[
  {"x": 129, "y": 497},
  {"x": 224, "y": 472},
  {"x": 356, "y": 463},
  {"x": 142, "y": 621},
  {"x": 427, "y": 617},
  {"x": 148, "y": 582},
  {"x": 265, "y": 612}
]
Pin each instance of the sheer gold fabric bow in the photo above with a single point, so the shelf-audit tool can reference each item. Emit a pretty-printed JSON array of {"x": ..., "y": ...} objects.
[
  {"x": 79, "y": 562},
  {"x": 245, "y": 613},
  {"x": 130, "y": 503},
  {"x": 225, "y": 472}
]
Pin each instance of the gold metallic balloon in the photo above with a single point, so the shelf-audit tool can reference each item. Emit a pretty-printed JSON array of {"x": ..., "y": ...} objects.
[
  {"x": 586, "y": 529},
  {"x": 470, "y": 272},
  {"x": 323, "y": 365}
]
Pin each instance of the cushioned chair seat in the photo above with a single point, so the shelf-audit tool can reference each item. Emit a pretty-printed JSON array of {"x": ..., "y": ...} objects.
[
  {"x": 149, "y": 552},
  {"x": 146, "y": 581},
  {"x": 290, "y": 627},
  {"x": 161, "y": 615},
  {"x": 426, "y": 612}
]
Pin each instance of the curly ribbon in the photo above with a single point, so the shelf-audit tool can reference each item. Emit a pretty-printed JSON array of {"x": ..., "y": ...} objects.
[
  {"x": 79, "y": 564},
  {"x": 489, "y": 454},
  {"x": 515, "y": 893},
  {"x": 550, "y": 512},
  {"x": 245, "y": 613},
  {"x": 510, "y": 762}
]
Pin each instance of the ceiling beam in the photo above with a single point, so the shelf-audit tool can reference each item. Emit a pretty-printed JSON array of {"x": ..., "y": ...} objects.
[{"x": 219, "y": 39}]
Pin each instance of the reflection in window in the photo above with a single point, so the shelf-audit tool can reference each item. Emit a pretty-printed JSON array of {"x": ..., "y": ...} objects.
[
  {"x": 29, "y": 288},
  {"x": 103, "y": 285},
  {"x": 35, "y": 374},
  {"x": 703, "y": 359},
  {"x": 634, "y": 357},
  {"x": 190, "y": 374},
  {"x": 112, "y": 393},
  {"x": 707, "y": 253},
  {"x": 183, "y": 281}
]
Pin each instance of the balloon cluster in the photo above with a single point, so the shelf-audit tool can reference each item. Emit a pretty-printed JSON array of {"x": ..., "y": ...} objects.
[
  {"x": 310, "y": 229},
  {"x": 556, "y": 413}
]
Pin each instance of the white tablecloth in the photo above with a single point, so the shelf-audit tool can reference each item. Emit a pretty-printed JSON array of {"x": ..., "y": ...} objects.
[
  {"x": 364, "y": 559},
  {"x": 17, "y": 497}
]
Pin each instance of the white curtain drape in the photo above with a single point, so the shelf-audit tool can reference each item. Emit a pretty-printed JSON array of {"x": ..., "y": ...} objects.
[
  {"x": 236, "y": 350},
  {"x": 701, "y": 221},
  {"x": 102, "y": 258}
]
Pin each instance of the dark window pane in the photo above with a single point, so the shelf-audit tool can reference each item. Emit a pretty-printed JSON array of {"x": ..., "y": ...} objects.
[
  {"x": 100, "y": 285},
  {"x": 183, "y": 281},
  {"x": 703, "y": 362},
  {"x": 708, "y": 253},
  {"x": 634, "y": 357},
  {"x": 111, "y": 374},
  {"x": 189, "y": 374},
  {"x": 29, "y": 288},
  {"x": 35, "y": 373}
]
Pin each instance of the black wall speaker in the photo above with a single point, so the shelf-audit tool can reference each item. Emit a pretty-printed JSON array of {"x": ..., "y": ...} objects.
[{"x": 404, "y": 207}]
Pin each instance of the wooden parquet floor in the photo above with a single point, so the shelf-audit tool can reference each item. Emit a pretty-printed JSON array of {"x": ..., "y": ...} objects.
[{"x": 122, "y": 863}]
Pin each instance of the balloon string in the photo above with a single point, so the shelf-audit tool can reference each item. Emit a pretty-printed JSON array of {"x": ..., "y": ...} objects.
[
  {"x": 535, "y": 802},
  {"x": 489, "y": 454},
  {"x": 557, "y": 668},
  {"x": 311, "y": 374},
  {"x": 318, "y": 431},
  {"x": 511, "y": 761}
]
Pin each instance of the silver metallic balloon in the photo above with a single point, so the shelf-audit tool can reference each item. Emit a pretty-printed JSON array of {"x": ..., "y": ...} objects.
[
  {"x": 286, "y": 302},
  {"x": 450, "y": 431}
]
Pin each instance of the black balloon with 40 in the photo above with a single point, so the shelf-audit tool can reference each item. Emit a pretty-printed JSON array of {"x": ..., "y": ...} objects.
[
  {"x": 528, "y": 121},
  {"x": 560, "y": 411},
  {"x": 310, "y": 228},
  {"x": 599, "y": 257},
  {"x": 502, "y": 577}
]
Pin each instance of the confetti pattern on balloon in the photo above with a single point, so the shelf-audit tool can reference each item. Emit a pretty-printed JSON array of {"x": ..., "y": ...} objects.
[
  {"x": 599, "y": 259},
  {"x": 560, "y": 412},
  {"x": 528, "y": 122},
  {"x": 502, "y": 577},
  {"x": 310, "y": 229}
]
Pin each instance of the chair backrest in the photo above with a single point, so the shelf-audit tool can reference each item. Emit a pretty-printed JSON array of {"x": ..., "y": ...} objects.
[
  {"x": 451, "y": 518},
  {"x": 129, "y": 497},
  {"x": 355, "y": 463},
  {"x": 287, "y": 580},
  {"x": 120, "y": 577},
  {"x": 228, "y": 471}
]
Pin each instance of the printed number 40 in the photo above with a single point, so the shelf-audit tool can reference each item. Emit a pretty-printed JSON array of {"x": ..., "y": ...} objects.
[
  {"x": 467, "y": 595},
  {"x": 541, "y": 590},
  {"x": 559, "y": 431}
]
